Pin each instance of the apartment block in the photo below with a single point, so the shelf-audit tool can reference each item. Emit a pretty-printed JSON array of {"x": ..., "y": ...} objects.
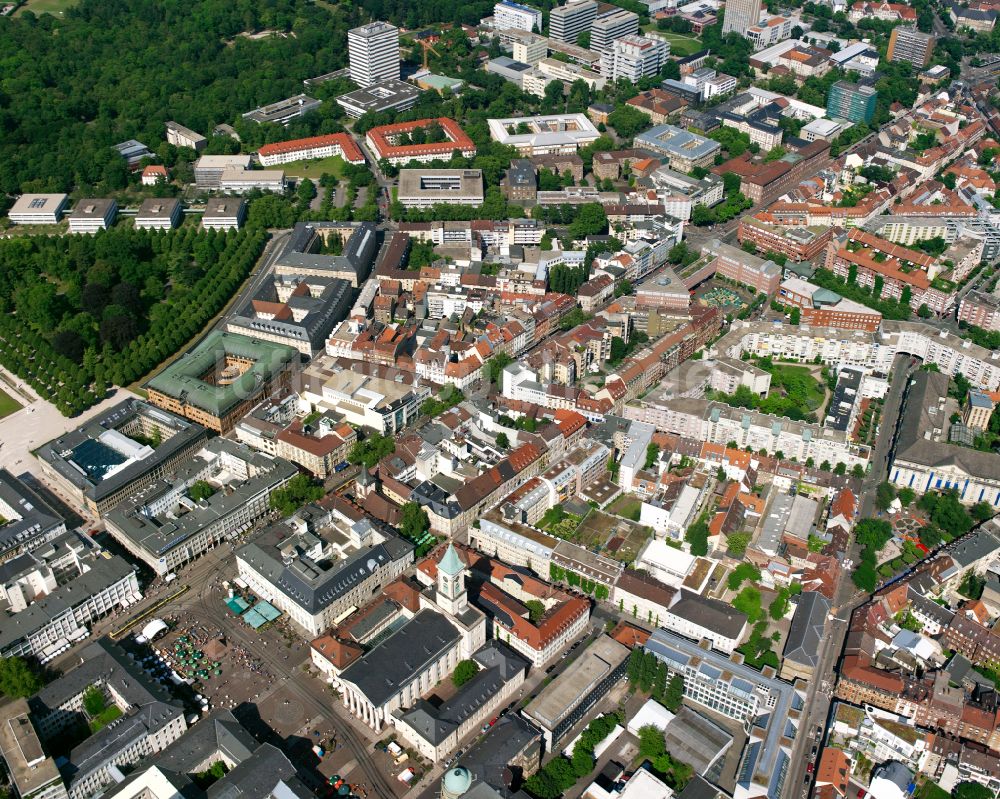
[
  {"x": 634, "y": 58},
  {"x": 798, "y": 243},
  {"x": 980, "y": 309},
  {"x": 824, "y": 308}
]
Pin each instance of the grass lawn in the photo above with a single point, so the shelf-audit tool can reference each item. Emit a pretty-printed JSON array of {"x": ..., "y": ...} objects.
[
  {"x": 628, "y": 506},
  {"x": 681, "y": 44},
  {"x": 931, "y": 790},
  {"x": 314, "y": 169},
  {"x": 8, "y": 404},
  {"x": 799, "y": 379},
  {"x": 104, "y": 718},
  {"x": 54, "y": 7}
]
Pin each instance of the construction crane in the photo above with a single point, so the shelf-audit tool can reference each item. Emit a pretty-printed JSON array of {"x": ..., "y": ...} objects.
[{"x": 427, "y": 46}]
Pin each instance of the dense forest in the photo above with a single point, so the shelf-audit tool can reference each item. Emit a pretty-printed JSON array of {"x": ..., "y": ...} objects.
[
  {"x": 80, "y": 312},
  {"x": 112, "y": 70}
]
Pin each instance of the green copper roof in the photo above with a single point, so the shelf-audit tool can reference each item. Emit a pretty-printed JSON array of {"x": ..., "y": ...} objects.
[
  {"x": 184, "y": 378},
  {"x": 451, "y": 564}
]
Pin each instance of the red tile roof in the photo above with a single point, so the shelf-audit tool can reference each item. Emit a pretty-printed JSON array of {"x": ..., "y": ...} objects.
[
  {"x": 380, "y": 139},
  {"x": 351, "y": 152}
]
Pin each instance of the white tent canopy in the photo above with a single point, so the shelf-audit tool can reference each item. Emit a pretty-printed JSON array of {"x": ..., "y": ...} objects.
[{"x": 153, "y": 629}]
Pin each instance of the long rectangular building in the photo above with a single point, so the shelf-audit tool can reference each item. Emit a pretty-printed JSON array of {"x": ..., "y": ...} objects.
[
  {"x": 221, "y": 493},
  {"x": 80, "y": 586},
  {"x": 339, "y": 144},
  {"x": 769, "y": 709},
  {"x": 566, "y": 700},
  {"x": 117, "y": 453},
  {"x": 718, "y": 423}
]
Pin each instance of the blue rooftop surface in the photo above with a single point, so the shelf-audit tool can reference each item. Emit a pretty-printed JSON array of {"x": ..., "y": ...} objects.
[
  {"x": 977, "y": 399},
  {"x": 96, "y": 459}
]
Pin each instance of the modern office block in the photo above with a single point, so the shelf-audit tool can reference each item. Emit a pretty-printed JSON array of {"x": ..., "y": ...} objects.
[
  {"x": 634, "y": 58},
  {"x": 373, "y": 52},
  {"x": 608, "y": 27},
  {"x": 508, "y": 15},
  {"x": 740, "y": 16},
  {"x": 567, "y": 22},
  {"x": 851, "y": 101},
  {"x": 909, "y": 44}
]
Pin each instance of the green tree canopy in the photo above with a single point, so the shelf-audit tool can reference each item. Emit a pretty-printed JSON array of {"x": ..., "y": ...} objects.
[
  {"x": 298, "y": 491},
  {"x": 464, "y": 671},
  {"x": 17, "y": 678},
  {"x": 371, "y": 450},
  {"x": 414, "y": 522}
]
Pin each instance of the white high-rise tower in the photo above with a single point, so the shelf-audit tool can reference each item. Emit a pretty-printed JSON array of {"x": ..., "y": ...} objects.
[
  {"x": 373, "y": 50},
  {"x": 740, "y": 15}
]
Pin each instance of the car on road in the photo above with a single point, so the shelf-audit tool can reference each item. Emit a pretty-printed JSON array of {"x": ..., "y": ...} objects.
[{"x": 809, "y": 768}]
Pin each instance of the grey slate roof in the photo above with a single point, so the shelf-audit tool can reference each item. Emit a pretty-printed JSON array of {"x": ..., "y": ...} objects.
[
  {"x": 358, "y": 255},
  {"x": 700, "y": 788},
  {"x": 498, "y": 666},
  {"x": 806, "y": 631},
  {"x": 255, "y": 777},
  {"x": 928, "y": 607},
  {"x": 260, "y": 770},
  {"x": 305, "y": 583},
  {"x": 393, "y": 663},
  {"x": 709, "y": 613},
  {"x": 102, "y": 661},
  {"x": 505, "y": 741},
  {"x": 102, "y": 573},
  {"x": 975, "y": 546},
  {"x": 37, "y": 520},
  {"x": 320, "y": 313},
  {"x": 106, "y": 745},
  {"x": 911, "y": 446}
]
